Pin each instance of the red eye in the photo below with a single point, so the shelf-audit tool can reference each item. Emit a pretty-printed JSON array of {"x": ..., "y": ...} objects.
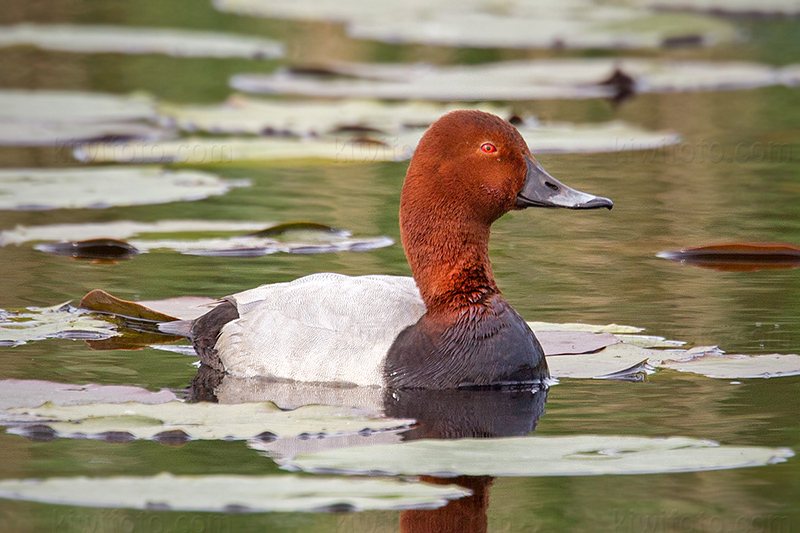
[{"x": 489, "y": 148}]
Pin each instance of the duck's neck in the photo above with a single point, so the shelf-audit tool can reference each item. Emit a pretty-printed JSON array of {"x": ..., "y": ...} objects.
[{"x": 449, "y": 258}]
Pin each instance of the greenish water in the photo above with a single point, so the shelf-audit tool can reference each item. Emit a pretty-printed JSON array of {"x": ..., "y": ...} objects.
[{"x": 557, "y": 266}]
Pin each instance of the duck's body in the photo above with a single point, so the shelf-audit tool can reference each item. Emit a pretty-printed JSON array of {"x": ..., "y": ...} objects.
[
  {"x": 449, "y": 326},
  {"x": 319, "y": 326}
]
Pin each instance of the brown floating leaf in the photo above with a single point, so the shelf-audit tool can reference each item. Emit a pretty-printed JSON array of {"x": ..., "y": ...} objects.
[
  {"x": 131, "y": 341},
  {"x": 102, "y": 302},
  {"x": 738, "y": 257},
  {"x": 288, "y": 227},
  {"x": 94, "y": 249}
]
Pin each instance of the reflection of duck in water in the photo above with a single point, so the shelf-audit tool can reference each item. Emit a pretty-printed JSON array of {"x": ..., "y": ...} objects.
[
  {"x": 439, "y": 414},
  {"x": 447, "y": 327}
]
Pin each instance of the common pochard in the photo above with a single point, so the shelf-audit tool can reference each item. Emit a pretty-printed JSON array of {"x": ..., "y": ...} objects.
[{"x": 448, "y": 326}]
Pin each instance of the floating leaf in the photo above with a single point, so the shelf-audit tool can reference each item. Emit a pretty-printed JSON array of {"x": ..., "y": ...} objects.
[
  {"x": 96, "y": 249},
  {"x": 731, "y": 7},
  {"x": 129, "y": 40},
  {"x": 203, "y": 420},
  {"x": 101, "y": 301},
  {"x": 594, "y": 328},
  {"x": 738, "y": 257},
  {"x": 648, "y": 341},
  {"x": 65, "y": 134},
  {"x": 576, "y": 24},
  {"x": 233, "y": 494},
  {"x": 542, "y": 138},
  {"x": 574, "y": 342},
  {"x": 243, "y": 115},
  {"x": 553, "y": 28},
  {"x": 67, "y": 106},
  {"x": 62, "y": 321},
  {"x": 100, "y": 187},
  {"x": 213, "y": 151},
  {"x": 583, "y": 455},
  {"x": 714, "y": 363},
  {"x": 182, "y": 307},
  {"x": 33, "y": 393},
  {"x": 120, "y": 229},
  {"x": 519, "y": 80},
  {"x": 257, "y": 247},
  {"x": 302, "y": 228},
  {"x": 619, "y": 361}
]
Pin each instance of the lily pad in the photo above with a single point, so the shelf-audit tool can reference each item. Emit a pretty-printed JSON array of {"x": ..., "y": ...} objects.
[
  {"x": 738, "y": 257},
  {"x": 610, "y": 28},
  {"x": 65, "y": 134},
  {"x": 101, "y": 187},
  {"x": 371, "y": 147},
  {"x": 518, "y": 80},
  {"x": 121, "y": 229},
  {"x": 258, "y": 246},
  {"x": 619, "y": 361},
  {"x": 67, "y": 106},
  {"x": 243, "y": 115},
  {"x": 203, "y": 420},
  {"x": 574, "y": 342},
  {"x": 130, "y": 40},
  {"x": 576, "y": 24},
  {"x": 593, "y": 328},
  {"x": 33, "y": 393},
  {"x": 583, "y": 455},
  {"x": 730, "y": 7},
  {"x": 648, "y": 341},
  {"x": 61, "y": 321},
  {"x": 217, "y": 150},
  {"x": 232, "y": 494},
  {"x": 712, "y": 362}
]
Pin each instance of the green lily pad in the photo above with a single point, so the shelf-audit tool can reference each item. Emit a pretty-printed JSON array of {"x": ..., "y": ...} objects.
[
  {"x": 100, "y": 187},
  {"x": 65, "y": 134},
  {"x": 130, "y": 40},
  {"x": 15, "y": 393},
  {"x": 616, "y": 361},
  {"x": 244, "y": 115},
  {"x": 228, "y": 494},
  {"x": 712, "y": 362},
  {"x": 730, "y": 7},
  {"x": 594, "y": 328},
  {"x": 519, "y": 80},
  {"x": 67, "y": 106},
  {"x": 371, "y": 147},
  {"x": 583, "y": 455},
  {"x": 203, "y": 420},
  {"x": 648, "y": 341},
  {"x": 62, "y": 321},
  {"x": 576, "y": 24},
  {"x": 121, "y": 229},
  {"x": 219, "y": 150}
]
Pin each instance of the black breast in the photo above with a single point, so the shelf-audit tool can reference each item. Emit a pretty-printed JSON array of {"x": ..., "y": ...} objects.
[
  {"x": 205, "y": 332},
  {"x": 489, "y": 345}
]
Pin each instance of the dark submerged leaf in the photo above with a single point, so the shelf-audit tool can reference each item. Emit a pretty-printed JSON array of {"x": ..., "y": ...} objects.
[
  {"x": 94, "y": 249},
  {"x": 738, "y": 257}
]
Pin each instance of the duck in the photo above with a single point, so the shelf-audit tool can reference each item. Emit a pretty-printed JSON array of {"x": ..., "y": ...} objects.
[{"x": 445, "y": 327}]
